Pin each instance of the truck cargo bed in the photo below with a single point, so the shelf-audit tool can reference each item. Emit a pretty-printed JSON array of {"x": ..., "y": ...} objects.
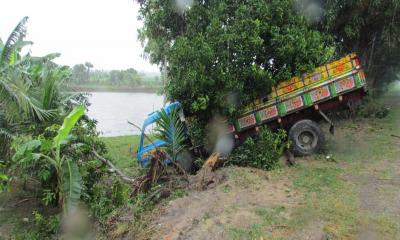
[{"x": 324, "y": 88}]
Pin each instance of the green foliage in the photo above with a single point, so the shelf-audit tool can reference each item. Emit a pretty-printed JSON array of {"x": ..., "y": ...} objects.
[
  {"x": 372, "y": 108},
  {"x": 19, "y": 86},
  {"x": 43, "y": 228},
  {"x": 10, "y": 48},
  {"x": 107, "y": 195},
  {"x": 197, "y": 131},
  {"x": 216, "y": 49},
  {"x": 142, "y": 204},
  {"x": 71, "y": 183},
  {"x": 48, "y": 197},
  {"x": 171, "y": 130},
  {"x": 82, "y": 76},
  {"x": 66, "y": 127},
  {"x": 263, "y": 152},
  {"x": 3, "y": 182},
  {"x": 369, "y": 28},
  {"x": 30, "y": 97},
  {"x": 42, "y": 153}
]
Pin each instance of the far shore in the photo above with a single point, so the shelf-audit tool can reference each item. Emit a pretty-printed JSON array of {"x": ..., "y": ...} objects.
[{"x": 115, "y": 89}]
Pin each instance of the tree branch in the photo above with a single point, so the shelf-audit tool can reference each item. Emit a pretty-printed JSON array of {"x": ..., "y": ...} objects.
[{"x": 117, "y": 172}]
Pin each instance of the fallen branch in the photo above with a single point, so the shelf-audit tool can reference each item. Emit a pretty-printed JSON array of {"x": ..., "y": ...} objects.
[
  {"x": 144, "y": 134},
  {"x": 392, "y": 135},
  {"x": 204, "y": 176},
  {"x": 22, "y": 201},
  {"x": 211, "y": 161},
  {"x": 117, "y": 172}
]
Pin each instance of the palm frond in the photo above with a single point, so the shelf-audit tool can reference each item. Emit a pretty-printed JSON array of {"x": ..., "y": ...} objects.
[
  {"x": 15, "y": 97},
  {"x": 171, "y": 130},
  {"x": 13, "y": 40},
  {"x": 5, "y": 133}
]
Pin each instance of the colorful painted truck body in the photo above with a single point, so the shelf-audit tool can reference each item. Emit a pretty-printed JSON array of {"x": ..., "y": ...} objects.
[
  {"x": 326, "y": 83},
  {"x": 295, "y": 105}
]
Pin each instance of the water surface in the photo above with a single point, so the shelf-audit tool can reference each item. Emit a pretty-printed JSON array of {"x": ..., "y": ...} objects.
[{"x": 112, "y": 110}]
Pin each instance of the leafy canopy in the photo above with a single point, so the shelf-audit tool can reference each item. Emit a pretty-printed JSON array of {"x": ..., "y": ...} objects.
[
  {"x": 223, "y": 53},
  {"x": 369, "y": 28}
]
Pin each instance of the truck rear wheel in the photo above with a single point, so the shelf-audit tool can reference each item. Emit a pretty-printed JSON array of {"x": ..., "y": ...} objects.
[{"x": 306, "y": 138}]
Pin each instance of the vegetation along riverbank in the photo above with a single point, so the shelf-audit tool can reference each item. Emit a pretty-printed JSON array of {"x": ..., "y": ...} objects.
[{"x": 104, "y": 88}]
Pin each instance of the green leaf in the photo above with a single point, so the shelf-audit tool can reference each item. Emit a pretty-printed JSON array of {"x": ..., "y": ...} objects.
[
  {"x": 26, "y": 149},
  {"x": 72, "y": 181},
  {"x": 68, "y": 124},
  {"x": 3, "y": 177},
  {"x": 46, "y": 145},
  {"x": 171, "y": 130}
]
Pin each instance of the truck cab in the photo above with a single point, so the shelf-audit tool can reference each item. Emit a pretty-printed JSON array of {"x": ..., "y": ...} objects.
[{"x": 144, "y": 151}]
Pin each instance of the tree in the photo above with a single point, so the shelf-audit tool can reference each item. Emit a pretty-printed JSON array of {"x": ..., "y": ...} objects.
[
  {"x": 369, "y": 28},
  {"x": 16, "y": 100},
  {"x": 223, "y": 53},
  {"x": 79, "y": 73},
  {"x": 29, "y": 88},
  {"x": 88, "y": 66}
]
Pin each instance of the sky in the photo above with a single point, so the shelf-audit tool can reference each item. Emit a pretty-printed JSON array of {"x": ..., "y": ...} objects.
[{"x": 103, "y": 32}]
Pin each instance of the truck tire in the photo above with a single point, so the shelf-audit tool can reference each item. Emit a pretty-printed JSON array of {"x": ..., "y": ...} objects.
[{"x": 306, "y": 138}]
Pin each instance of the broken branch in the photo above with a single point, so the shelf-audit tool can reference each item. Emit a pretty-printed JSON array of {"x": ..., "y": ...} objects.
[{"x": 117, "y": 172}]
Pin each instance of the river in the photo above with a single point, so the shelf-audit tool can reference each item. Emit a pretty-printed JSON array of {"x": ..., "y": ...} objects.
[{"x": 112, "y": 110}]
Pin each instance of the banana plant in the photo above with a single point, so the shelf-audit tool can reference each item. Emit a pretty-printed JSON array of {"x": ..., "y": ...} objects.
[{"x": 69, "y": 180}]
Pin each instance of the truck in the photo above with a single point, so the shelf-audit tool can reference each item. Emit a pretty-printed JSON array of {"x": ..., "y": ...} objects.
[{"x": 296, "y": 105}]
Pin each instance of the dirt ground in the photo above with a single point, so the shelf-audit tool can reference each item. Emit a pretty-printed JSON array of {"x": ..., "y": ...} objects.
[
  {"x": 232, "y": 204},
  {"x": 16, "y": 207},
  {"x": 235, "y": 202}
]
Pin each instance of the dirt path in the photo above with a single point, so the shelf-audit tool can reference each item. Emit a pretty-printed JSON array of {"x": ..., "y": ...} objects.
[{"x": 379, "y": 195}]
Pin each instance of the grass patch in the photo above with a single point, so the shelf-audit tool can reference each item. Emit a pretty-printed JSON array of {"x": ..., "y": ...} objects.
[
  {"x": 274, "y": 224},
  {"x": 386, "y": 226},
  {"x": 122, "y": 150},
  {"x": 244, "y": 177},
  {"x": 328, "y": 199},
  {"x": 316, "y": 179},
  {"x": 255, "y": 231}
]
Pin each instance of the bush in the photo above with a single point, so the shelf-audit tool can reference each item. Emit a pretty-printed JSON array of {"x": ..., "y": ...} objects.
[
  {"x": 262, "y": 152},
  {"x": 43, "y": 228},
  {"x": 371, "y": 108},
  {"x": 106, "y": 196}
]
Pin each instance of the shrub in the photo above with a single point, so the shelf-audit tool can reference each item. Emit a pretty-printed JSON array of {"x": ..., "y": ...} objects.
[
  {"x": 262, "y": 152},
  {"x": 106, "y": 196},
  {"x": 42, "y": 227},
  {"x": 371, "y": 108}
]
